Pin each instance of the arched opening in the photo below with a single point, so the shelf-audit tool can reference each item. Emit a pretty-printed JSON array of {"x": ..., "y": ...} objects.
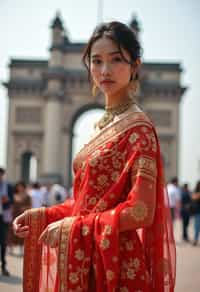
[
  {"x": 29, "y": 167},
  {"x": 82, "y": 130}
]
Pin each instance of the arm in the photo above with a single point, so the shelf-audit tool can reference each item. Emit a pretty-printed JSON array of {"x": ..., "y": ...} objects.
[
  {"x": 60, "y": 211},
  {"x": 138, "y": 211}
]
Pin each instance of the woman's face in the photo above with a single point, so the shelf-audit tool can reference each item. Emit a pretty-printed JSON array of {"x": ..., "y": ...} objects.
[
  {"x": 109, "y": 71},
  {"x": 20, "y": 188}
]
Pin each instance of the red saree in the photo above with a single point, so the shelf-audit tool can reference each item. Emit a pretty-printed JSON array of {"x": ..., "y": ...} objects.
[{"x": 117, "y": 234}]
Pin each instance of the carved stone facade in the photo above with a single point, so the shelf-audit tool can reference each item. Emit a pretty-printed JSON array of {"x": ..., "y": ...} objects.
[{"x": 47, "y": 96}]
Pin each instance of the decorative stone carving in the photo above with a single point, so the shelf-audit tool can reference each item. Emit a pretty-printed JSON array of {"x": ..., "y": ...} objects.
[{"x": 30, "y": 115}]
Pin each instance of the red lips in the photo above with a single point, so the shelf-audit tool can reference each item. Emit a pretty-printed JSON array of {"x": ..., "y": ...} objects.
[{"x": 107, "y": 81}]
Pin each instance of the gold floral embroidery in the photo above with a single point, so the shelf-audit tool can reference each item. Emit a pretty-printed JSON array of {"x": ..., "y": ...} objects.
[
  {"x": 110, "y": 275},
  {"x": 85, "y": 230},
  {"x": 107, "y": 230},
  {"x": 93, "y": 162},
  {"x": 102, "y": 179},
  {"x": 136, "y": 263},
  {"x": 73, "y": 277},
  {"x": 105, "y": 243},
  {"x": 102, "y": 205},
  {"x": 114, "y": 175},
  {"x": 139, "y": 211},
  {"x": 133, "y": 138},
  {"x": 130, "y": 274},
  {"x": 144, "y": 166},
  {"x": 92, "y": 201},
  {"x": 138, "y": 119},
  {"x": 79, "y": 254}
]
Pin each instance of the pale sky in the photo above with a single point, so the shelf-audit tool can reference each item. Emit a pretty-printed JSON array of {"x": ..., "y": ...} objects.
[{"x": 170, "y": 32}]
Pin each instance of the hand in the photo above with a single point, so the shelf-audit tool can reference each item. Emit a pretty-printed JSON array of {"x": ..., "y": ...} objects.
[
  {"x": 51, "y": 234},
  {"x": 19, "y": 228}
]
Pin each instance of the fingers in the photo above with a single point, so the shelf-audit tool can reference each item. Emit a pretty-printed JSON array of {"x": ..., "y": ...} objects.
[
  {"x": 23, "y": 232},
  {"x": 18, "y": 222}
]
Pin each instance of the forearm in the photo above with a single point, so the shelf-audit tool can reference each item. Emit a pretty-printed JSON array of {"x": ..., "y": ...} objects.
[{"x": 59, "y": 212}]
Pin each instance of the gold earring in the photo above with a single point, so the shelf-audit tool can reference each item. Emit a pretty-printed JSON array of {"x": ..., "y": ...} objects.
[{"x": 94, "y": 90}]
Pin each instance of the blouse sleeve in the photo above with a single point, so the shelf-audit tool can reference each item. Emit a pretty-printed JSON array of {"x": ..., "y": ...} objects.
[
  {"x": 138, "y": 211},
  {"x": 60, "y": 211}
]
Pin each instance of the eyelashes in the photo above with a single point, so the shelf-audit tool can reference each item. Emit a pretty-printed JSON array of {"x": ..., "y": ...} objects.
[{"x": 113, "y": 60}]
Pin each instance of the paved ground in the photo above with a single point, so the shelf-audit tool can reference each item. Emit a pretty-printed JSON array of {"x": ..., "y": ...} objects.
[{"x": 188, "y": 268}]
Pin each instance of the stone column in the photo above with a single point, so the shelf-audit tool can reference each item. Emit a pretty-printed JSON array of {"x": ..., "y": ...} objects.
[{"x": 52, "y": 138}]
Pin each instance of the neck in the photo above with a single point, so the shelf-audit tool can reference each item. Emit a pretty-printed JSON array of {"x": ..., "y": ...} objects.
[{"x": 116, "y": 99}]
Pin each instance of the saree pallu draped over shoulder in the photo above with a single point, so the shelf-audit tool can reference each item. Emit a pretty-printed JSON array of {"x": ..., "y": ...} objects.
[{"x": 117, "y": 234}]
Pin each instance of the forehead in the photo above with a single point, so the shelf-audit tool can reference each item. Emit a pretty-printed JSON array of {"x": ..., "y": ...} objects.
[{"x": 105, "y": 46}]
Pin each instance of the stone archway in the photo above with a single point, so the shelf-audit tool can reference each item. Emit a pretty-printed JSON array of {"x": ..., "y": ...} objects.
[{"x": 29, "y": 165}]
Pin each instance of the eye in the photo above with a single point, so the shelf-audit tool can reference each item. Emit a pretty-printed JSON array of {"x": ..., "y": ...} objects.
[
  {"x": 117, "y": 59},
  {"x": 96, "y": 61}
]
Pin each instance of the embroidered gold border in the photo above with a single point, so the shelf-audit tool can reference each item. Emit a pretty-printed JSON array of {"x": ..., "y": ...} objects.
[
  {"x": 35, "y": 218},
  {"x": 148, "y": 169},
  {"x": 131, "y": 120},
  {"x": 63, "y": 253}
]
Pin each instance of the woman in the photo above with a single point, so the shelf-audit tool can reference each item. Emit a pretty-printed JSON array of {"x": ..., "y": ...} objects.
[
  {"x": 117, "y": 234},
  {"x": 21, "y": 202},
  {"x": 196, "y": 207}
]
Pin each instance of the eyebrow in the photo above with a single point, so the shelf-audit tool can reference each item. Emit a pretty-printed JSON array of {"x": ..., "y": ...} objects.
[{"x": 111, "y": 53}]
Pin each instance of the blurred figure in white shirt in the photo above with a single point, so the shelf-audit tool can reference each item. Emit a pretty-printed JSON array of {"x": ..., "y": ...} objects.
[
  {"x": 174, "y": 195},
  {"x": 56, "y": 195},
  {"x": 36, "y": 195}
]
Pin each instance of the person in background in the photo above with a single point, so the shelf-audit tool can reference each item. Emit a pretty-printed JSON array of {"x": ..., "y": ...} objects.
[
  {"x": 174, "y": 197},
  {"x": 196, "y": 199},
  {"x": 21, "y": 202},
  {"x": 185, "y": 214},
  {"x": 36, "y": 195},
  {"x": 6, "y": 200}
]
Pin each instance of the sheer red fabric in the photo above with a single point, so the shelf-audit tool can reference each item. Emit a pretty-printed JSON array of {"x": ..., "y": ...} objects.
[{"x": 117, "y": 233}]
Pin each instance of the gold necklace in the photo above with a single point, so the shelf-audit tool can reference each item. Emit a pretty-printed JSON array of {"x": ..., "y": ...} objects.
[{"x": 111, "y": 112}]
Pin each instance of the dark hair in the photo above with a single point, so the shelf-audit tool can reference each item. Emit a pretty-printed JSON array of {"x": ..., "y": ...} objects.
[
  {"x": 2, "y": 171},
  {"x": 20, "y": 183},
  {"x": 174, "y": 180},
  {"x": 122, "y": 35},
  {"x": 197, "y": 188}
]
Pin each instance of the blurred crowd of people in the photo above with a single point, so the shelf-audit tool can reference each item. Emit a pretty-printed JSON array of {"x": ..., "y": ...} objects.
[
  {"x": 185, "y": 204},
  {"x": 14, "y": 200}
]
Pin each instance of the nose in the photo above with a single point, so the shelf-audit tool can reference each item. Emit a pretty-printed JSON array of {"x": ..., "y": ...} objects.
[{"x": 106, "y": 70}]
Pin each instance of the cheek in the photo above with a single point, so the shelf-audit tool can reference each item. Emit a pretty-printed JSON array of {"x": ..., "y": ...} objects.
[
  {"x": 123, "y": 73},
  {"x": 95, "y": 73}
]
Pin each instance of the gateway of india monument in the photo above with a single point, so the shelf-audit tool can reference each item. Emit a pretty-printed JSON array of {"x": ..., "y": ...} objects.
[{"x": 46, "y": 97}]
